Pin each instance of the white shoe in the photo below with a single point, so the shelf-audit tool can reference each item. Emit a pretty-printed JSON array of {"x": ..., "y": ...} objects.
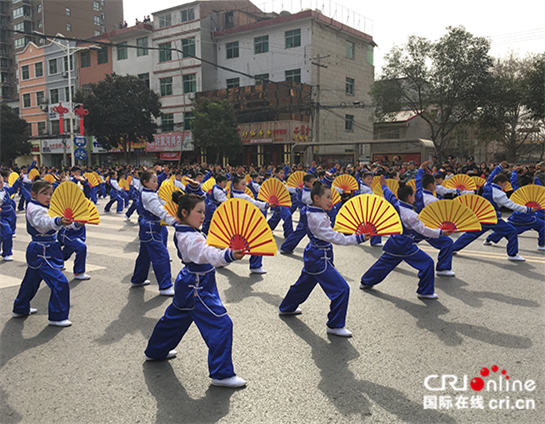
[
  {"x": 63, "y": 323},
  {"x": 97, "y": 203},
  {"x": 120, "y": 212},
  {"x": 298, "y": 311},
  {"x": 170, "y": 355},
  {"x": 81, "y": 277},
  {"x": 145, "y": 283},
  {"x": 8, "y": 258},
  {"x": 14, "y": 236},
  {"x": 542, "y": 248},
  {"x": 167, "y": 292},
  {"x": 427, "y": 296},
  {"x": 170, "y": 259},
  {"x": 446, "y": 273},
  {"x": 32, "y": 311},
  {"x": 516, "y": 258},
  {"x": 234, "y": 381},
  {"x": 341, "y": 332},
  {"x": 487, "y": 243},
  {"x": 365, "y": 286},
  {"x": 128, "y": 218},
  {"x": 257, "y": 271},
  {"x": 377, "y": 245}
]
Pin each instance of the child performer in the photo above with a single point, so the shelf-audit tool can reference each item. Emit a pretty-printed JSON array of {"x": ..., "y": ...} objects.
[
  {"x": 521, "y": 221},
  {"x": 237, "y": 190},
  {"x": 115, "y": 194},
  {"x": 196, "y": 297},
  {"x": 137, "y": 189},
  {"x": 295, "y": 237},
  {"x": 6, "y": 231},
  {"x": 152, "y": 248},
  {"x": 365, "y": 188},
  {"x": 281, "y": 212},
  {"x": 254, "y": 186},
  {"x": 44, "y": 258},
  {"x": 26, "y": 185},
  {"x": 217, "y": 196},
  {"x": 401, "y": 247},
  {"x": 319, "y": 268},
  {"x": 493, "y": 192},
  {"x": 425, "y": 186}
]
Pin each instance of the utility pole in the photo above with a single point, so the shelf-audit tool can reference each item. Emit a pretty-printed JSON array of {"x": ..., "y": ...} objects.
[{"x": 317, "y": 61}]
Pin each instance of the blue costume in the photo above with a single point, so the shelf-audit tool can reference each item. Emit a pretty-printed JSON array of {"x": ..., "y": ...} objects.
[
  {"x": 494, "y": 194},
  {"x": 296, "y": 236},
  {"x": 44, "y": 259},
  {"x": 26, "y": 185},
  {"x": 281, "y": 213},
  {"x": 115, "y": 196},
  {"x": 402, "y": 247},
  {"x": 7, "y": 228},
  {"x": 216, "y": 197},
  {"x": 73, "y": 240},
  {"x": 136, "y": 186},
  {"x": 197, "y": 299},
  {"x": 319, "y": 268}
]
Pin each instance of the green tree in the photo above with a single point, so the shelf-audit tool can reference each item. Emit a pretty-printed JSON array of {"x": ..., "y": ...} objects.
[
  {"x": 13, "y": 136},
  {"x": 444, "y": 81},
  {"x": 535, "y": 80},
  {"x": 215, "y": 129},
  {"x": 121, "y": 111}
]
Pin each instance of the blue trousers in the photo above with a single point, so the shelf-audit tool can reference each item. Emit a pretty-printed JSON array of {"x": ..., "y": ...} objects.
[
  {"x": 444, "y": 244},
  {"x": 131, "y": 209},
  {"x": 208, "y": 214},
  {"x": 501, "y": 228},
  {"x": 376, "y": 240},
  {"x": 117, "y": 199},
  {"x": 12, "y": 220},
  {"x": 282, "y": 212},
  {"x": 538, "y": 225},
  {"x": 75, "y": 245},
  {"x": 125, "y": 196},
  {"x": 217, "y": 333},
  {"x": 386, "y": 264},
  {"x": 93, "y": 194},
  {"x": 156, "y": 253},
  {"x": 295, "y": 237},
  {"x": 334, "y": 286},
  {"x": 102, "y": 190},
  {"x": 59, "y": 301},
  {"x": 164, "y": 235},
  {"x": 256, "y": 261},
  {"x": 6, "y": 238}
]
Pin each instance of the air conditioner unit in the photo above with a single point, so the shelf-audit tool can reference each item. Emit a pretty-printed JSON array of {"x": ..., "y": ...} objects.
[
  {"x": 44, "y": 107},
  {"x": 191, "y": 96}
]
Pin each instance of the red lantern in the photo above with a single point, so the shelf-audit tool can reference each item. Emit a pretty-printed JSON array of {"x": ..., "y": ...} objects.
[
  {"x": 61, "y": 110},
  {"x": 81, "y": 112}
]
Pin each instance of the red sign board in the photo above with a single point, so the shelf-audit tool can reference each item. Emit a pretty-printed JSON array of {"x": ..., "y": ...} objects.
[
  {"x": 262, "y": 141},
  {"x": 167, "y": 142},
  {"x": 170, "y": 156}
]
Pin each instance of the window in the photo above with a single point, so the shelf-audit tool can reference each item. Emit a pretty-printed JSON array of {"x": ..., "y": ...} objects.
[
  {"x": 190, "y": 83},
  {"x": 122, "y": 51},
  {"x": 231, "y": 49},
  {"x": 69, "y": 27},
  {"x": 165, "y": 21},
  {"x": 350, "y": 86},
  {"x": 17, "y": 13},
  {"x": 38, "y": 69},
  {"x": 19, "y": 27},
  {"x": 166, "y": 86},
  {"x": 39, "y": 8},
  {"x": 103, "y": 29},
  {"x": 188, "y": 15},
  {"x": 66, "y": 63},
  {"x": 142, "y": 44},
  {"x": 26, "y": 100},
  {"x": 233, "y": 82},
  {"x": 20, "y": 42},
  {"x": 53, "y": 66},
  {"x": 68, "y": 12},
  {"x": 42, "y": 128},
  {"x": 85, "y": 59},
  {"x": 25, "y": 73},
  {"x": 102, "y": 16},
  {"x": 370, "y": 54},
  {"x": 293, "y": 38},
  {"x": 188, "y": 121},
  {"x": 102, "y": 56},
  {"x": 96, "y": 5},
  {"x": 261, "y": 44},
  {"x": 188, "y": 47},
  {"x": 67, "y": 94},
  {"x": 54, "y": 95},
  {"x": 350, "y": 50},
  {"x": 165, "y": 54},
  {"x": 145, "y": 78},
  {"x": 97, "y": 20},
  {"x": 40, "y": 24},
  {"x": 167, "y": 122},
  {"x": 97, "y": 32},
  {"x": 293, "y": 75},
  {"x": 261, "y": 79},
  {"x": 40, "y": 98},
  {"x": 349, "y": 122},
  {"x": 55, "y": 127}
]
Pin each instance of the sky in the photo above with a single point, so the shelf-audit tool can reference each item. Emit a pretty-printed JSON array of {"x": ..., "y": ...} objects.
[{"x": 517, "y": 27}]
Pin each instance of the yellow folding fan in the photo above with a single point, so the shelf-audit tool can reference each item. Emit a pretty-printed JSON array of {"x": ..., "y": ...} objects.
[
  {"x": 93, "y": 180},
  {"x": 532, "y": 196},
  {"x": 123, "y": 183},
  {"x": 479, "y": 182},
  {"x": 368, "y": 214},
  {"x": 14, "y": 176},
  {"x": 345, "y": 182},
  {"x": 508, "y": 187},
  {"x": 49, "y": 178},
  {"x": 274, "y": 192},
  {"x": 239, "y": 225},
  {"x": 460, "y": 182},
  {"x": 392, "y": 184},
  {"x": 33, "y": 174},
  {"x": 486, "y": 214},
  {"x": 296, "y": 179},
  {"x": 208, "y": 184},
  {"x": 335, "y": 197},
  {"x": 166, "y": 190},
  {"x": 68, "y": 201},
  {"x": 94, "y": 217},
  {"x": 450, "y": 215},
  {"x": 248, "y": 178}
]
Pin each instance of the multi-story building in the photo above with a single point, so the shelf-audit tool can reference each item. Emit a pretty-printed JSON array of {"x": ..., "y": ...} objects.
[{"x": 77, "y": 19}]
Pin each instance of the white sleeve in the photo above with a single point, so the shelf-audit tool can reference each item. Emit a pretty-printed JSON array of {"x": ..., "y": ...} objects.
[
  {"x": 220, "y": 195},
  {"x": 339, "y": 190},
  {"x": 256, "y": 186},
  {"x": 39, "y": 219},
  {"x": 261, "y": 205},
  {"x": 194, "y": 248},
  {"x": 411, "y": 220},
  {"x": 291, "y": 190},
  {"x": 115, "y": 185},
  {"x": 501, "y": 199},
  {"x": 152, "y": 203},
  {"x": 320, "y": 225},
  {"x": 305, "y": 198},
  {"x": 442, "y": 190},
  {"x": 429, "y": 199},
  {"x": 179, "y": 184}
]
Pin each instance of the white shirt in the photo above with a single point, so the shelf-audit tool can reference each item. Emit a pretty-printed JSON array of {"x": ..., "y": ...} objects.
[
  {"x": 115, "y": 185},
  {"x": 501, "y": 199},
  {"x": 365, "y": 189},
  {"x": 220, "y": 195},
  {"x": 154, "y": 204},
  {"x": 179, "y": 184},
  {"x": 305, "y": 197},
  {"x": 320, "y": 225},
  {"x": 255, "y": 186},
  {"x": 137, "y": 184},
  {"x": 193, "y": 248},
  {"x": 412, "y": 222},
  {"x": 38, "y": 217},
  {"x": 261, "y": 205}
]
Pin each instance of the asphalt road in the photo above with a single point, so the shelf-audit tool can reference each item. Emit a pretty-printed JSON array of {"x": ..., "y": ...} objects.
[{"x": 491, "y": 313}]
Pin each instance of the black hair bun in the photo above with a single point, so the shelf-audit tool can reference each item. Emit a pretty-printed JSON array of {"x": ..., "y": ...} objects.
[
  {"x": 176, "y": 196},
  {"x": 316, "y": 183}
]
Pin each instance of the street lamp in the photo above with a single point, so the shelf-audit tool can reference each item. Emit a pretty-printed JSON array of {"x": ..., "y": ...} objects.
[{"x": 69, "y": 52}]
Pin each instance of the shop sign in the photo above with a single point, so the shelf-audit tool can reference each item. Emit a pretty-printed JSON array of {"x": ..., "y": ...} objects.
[
  {"x": 170, "y": 156},
  {"x": 170, "y": 142},
  {"x": 258, "y": 141},
  {"x": 35, "y": 149},
  {"x": 53, "y": 146}
]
